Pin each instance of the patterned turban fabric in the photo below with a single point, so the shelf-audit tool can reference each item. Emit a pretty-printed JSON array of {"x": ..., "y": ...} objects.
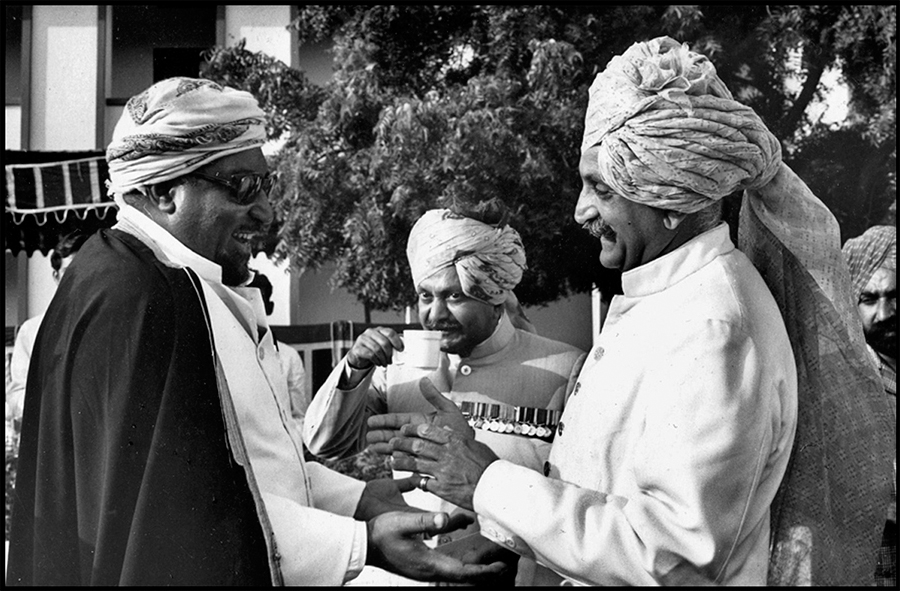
[
  {"x": 865, "y": 254},
  {"x": 671, "y": 136},
  {"x": 489, "y": 259},
  {"x": 177, "y": 126}
]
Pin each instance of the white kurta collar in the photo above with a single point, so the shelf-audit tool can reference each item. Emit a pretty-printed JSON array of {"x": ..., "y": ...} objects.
[
  {"x": 498, "y": 340},
  {"x": 245, "y": 303},
  {"x": 669, "y": 269}
]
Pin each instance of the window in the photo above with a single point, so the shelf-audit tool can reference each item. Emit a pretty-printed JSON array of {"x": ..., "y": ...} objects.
[{"x": 153, "y": 42}]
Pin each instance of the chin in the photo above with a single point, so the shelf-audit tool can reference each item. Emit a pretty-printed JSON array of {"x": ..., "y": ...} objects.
[
  {"x": 234, "y": 277},
  {"x": 610, "y": 261}
]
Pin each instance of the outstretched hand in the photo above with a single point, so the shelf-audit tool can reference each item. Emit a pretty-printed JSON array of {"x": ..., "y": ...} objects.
[
  {"x": 382, "y": 495},
  {"x": 395, "y": 544},
  {"x": 384, "y": 427},
  {"x": 454, "y": 463}
]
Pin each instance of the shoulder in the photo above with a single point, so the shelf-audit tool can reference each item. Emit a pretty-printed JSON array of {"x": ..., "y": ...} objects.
[
  {"x": 115, "y": 274},
  {"x": 534, "y": 342},
  {"x": 527, "y": 347},
  {"x": 120, "y": 264},
  {"x": 29, "y": 328}
]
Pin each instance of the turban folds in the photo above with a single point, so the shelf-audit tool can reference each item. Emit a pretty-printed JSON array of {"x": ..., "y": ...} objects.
[
  {"x": 670, "y": 134},
  {"x": 865, "y": 254},
  {"x": 489, "y": 260},
  {"x": 177, "y": 126}
]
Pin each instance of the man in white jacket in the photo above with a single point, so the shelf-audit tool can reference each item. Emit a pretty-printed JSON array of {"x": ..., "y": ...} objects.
[{"x": 677, "y": 437}]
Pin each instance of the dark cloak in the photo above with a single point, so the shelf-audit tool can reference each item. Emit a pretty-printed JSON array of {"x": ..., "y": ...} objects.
[{"x": 124, "y": 474}]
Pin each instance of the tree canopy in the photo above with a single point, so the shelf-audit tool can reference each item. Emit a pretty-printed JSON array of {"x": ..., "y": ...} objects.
[{"x": 440, "y": 105}]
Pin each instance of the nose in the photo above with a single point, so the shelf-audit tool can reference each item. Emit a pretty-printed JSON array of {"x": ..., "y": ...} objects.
[
  {"x": 585, "y": 209},
  {"x": 885, "y": 309},
  {"x": 438, "y": 310},
  {"x": 262, "y": 210}
]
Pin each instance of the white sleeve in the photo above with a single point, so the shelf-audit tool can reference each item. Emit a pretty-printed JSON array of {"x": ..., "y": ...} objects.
[
  {"x": 296, "y": 379},
  {"x": 322, "y": 544},
  {"x": 697, "y": 467},
  {"x": 18, "y": 365},
  {"x": 335, "y": 422},
  {"x": 316, "y": 547}
]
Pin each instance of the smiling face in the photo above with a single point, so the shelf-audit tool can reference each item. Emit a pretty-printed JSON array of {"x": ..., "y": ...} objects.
[
  {"x": 878, "y": 311},
  {"x": 630, "y": 233},
  {"x": 208, "y": 219},
  {"x": 464, "y": 321}
]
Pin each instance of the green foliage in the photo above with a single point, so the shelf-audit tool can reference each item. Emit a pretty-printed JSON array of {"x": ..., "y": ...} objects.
[{"x": 436, "y": 105}]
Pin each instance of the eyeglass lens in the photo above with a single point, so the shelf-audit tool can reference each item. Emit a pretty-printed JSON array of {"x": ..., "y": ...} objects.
[{"x": 250, "y": 185}]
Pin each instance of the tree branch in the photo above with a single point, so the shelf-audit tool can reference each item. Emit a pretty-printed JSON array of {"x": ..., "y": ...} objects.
[{"x": 788, "y": 124}]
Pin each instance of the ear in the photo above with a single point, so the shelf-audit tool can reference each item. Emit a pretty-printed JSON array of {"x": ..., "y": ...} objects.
[
  {"x": 672, "y": 219},
  {"x": 163, "y": 197}
]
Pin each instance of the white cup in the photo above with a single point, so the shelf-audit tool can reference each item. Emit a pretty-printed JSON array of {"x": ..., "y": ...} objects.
[{"x": 421, "y": 348}]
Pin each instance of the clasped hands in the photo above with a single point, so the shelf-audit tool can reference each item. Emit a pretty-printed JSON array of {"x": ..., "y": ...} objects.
[{"x": 440, "y": 445}]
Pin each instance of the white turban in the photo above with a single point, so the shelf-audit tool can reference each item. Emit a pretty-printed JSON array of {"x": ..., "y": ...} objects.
[
  {"x": 670, "y": 134},
  {"x": 489, "y": 259},
  {"x": 177, "y": 126}
]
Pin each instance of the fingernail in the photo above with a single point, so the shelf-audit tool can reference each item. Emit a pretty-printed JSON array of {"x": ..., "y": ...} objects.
[{"x": 440, "y": 520}]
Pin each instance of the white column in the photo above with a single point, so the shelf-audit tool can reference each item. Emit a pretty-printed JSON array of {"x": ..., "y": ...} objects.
[
  {"x": 64, "y": 77},
  {"x": 63, "y": 104}
]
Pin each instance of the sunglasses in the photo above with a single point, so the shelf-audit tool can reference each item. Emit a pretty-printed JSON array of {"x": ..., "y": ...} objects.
[{"x": 244, "y": 186}]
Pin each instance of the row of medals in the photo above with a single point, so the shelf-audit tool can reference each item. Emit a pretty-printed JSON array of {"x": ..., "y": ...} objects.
[{"x": 508, "y": 426}]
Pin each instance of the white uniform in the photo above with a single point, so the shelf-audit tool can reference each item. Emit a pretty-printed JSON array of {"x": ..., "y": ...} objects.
[
  {"x": 675, "y": 440},
  {"x": 512, "y": 368}
]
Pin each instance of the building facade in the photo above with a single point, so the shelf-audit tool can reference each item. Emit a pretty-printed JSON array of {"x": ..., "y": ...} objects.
[{"x": 69, "y": 72}]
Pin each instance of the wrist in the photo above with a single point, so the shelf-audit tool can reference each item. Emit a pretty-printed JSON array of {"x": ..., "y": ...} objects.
[{"x": 358, "y": 364}]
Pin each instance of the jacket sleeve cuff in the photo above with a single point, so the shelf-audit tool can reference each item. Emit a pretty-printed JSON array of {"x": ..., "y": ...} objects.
[{"x": 494, "y": 505}]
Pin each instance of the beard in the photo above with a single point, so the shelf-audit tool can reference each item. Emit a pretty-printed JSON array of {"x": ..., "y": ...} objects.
[
  {"x": 882, "y": 336},
  {"x": 235, "y": 269}
]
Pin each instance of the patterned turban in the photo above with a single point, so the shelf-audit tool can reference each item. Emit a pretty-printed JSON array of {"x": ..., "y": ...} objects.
[
  {"x": 672, "y": 137},
  {"x": 177, "y": 126},
  {"x": 670, "y": 134},
  {"x": 489, "y": 260},
  {"x": 875, "y": 248}
]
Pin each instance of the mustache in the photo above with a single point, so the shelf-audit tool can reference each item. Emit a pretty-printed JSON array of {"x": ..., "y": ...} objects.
[
  {"x": 884, "y": 328},
  {"x": 598, "y": 229},
  {"x": 443, "y": 326}
]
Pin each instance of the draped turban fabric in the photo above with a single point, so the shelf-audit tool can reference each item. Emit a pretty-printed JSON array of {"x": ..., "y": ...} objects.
[
  {"x": 489, "y": 260},
  {"x": 671, "y": 136},
  {"x": 177, "y": 126},
  {"x": 865, "y": 254}
]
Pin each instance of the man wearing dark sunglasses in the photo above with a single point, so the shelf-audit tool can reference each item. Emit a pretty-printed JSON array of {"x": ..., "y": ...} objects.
[{"x": 156, "y": 447}]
